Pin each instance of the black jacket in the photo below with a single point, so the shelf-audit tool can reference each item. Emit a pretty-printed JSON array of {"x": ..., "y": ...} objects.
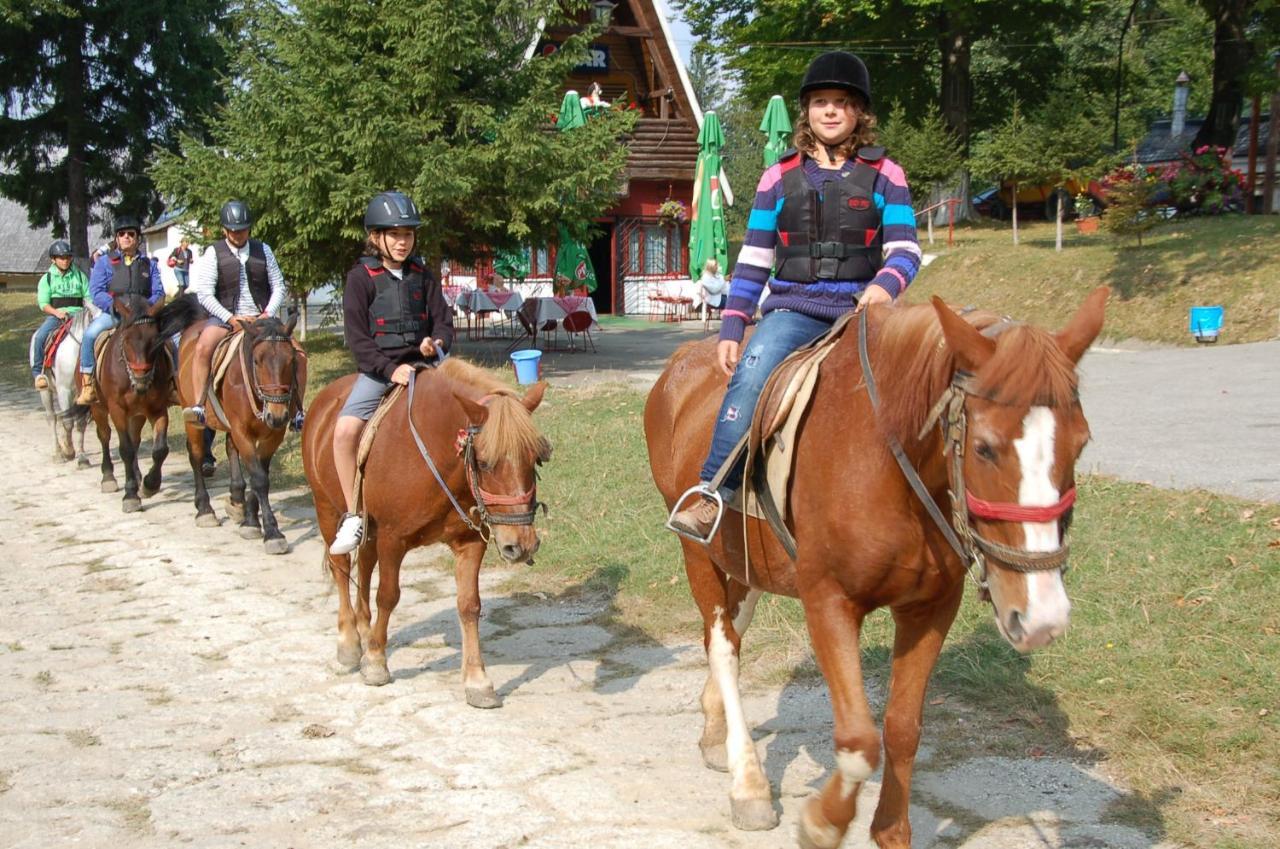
[{"x": 370, "y": 358}]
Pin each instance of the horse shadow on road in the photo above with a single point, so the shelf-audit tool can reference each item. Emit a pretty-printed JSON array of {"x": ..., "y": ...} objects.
[
  {"x": 545, "y": 632},
  {"x": 1007, "y": 757}
]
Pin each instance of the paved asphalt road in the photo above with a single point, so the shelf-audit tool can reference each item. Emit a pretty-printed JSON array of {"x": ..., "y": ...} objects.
[{"x": 1179, "y": 418}]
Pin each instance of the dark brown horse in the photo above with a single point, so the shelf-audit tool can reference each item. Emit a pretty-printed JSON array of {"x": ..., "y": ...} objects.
[
  {"x": 263, "y": 388},
  {"x": 1014, "y": 427},
  {"x": 481, "y": 438},
  {"x": 135, "y": 377}
]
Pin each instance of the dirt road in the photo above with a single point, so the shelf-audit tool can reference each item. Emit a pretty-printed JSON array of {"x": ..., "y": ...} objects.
[{"x": 169, "y": 686}]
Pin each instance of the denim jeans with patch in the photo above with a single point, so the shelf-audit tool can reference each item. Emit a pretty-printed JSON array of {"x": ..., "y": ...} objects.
[{"x": 779, "y": 334}]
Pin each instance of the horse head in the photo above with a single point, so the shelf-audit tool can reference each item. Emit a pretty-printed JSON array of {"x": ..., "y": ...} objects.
[
  {"x": 140, "y": 342},
  {"x": 501, "y": 449},
  {"x": 1014, "y": 443},
  {"x": 271, "y": 362}
]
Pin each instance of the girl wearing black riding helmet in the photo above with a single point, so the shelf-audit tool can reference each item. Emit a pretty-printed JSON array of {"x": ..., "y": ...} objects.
[
  {"x": 394, "y": 316},
  {"x": 833, "y": 222}
]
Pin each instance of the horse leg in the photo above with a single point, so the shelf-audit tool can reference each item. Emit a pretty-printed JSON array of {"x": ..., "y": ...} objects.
[
  {"x": 834, "y": 629},
  {"x": 367, "y": 558},
  {"x": 103, "y": 424},
  {"x": 235, "y": 500},
  {"x": 726, "y": 740},
  {"x": 81, "y": 425},
  {"x": 917, "y": 640},
  {"x": 240, "y": 453},
  {"x": 130, "y": 437},
  {"x": 373, "y": 666},
  {"x": 260, "y": 480},
  {"x": 159, "y": 451},
  {"x": 466, "y": 573},
  {"x": 205, "y": 517}
]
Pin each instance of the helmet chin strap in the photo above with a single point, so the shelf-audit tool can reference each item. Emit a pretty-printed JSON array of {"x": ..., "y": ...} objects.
[{"x": 832, "y": 149}]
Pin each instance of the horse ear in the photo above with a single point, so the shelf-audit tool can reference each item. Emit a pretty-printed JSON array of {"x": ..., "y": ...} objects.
[
  {"x": 291, "y": 323},
  {"x": 1078, "y": 335},
  {"x": 971, "y": 348},
  {"x": 477, "y": 413},
  {"x": 533, "y": 397},
  {"x": 122, "y": 306},
  {"x": 155, "y": 308}
]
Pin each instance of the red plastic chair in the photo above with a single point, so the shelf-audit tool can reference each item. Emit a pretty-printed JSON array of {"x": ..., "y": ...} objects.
[{"x": 578, "y": 324}]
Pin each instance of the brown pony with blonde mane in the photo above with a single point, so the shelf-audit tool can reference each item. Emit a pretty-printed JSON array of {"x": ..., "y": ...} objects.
[
  {"x": 481, "y": 437},
  {"x": 865, "y": 540}
]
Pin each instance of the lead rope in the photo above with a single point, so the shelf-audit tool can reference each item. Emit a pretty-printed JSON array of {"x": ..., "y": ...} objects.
[{"x": 422, "y": 449}]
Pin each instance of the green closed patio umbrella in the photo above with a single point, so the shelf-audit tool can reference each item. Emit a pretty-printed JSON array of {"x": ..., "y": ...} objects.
[
  {"x": 776, "y": 127},
  {"x": 572, "y": 261},
  {"x": 707, "y": 238}
]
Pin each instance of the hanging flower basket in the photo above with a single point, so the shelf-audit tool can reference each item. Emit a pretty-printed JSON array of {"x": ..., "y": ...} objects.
[{"x": 672, "y": 211}]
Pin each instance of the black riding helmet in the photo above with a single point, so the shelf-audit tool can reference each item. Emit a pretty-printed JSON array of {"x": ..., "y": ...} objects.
[
  {"x": 127, "y": 222},
  {"x": 235, "y": 215},
  {"x": 391, "y": 209},
  {"x": 838, "y": 69},
  {"x": 60, "y": 248}
]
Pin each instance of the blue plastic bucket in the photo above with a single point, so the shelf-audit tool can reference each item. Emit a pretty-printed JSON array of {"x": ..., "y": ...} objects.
[
  {"x": 1205, "y": 323},
  {"x": 528, "y": 365}
]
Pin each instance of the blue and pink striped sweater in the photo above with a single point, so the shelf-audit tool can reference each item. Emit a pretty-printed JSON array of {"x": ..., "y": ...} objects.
[{"x": 826, "y": 299}]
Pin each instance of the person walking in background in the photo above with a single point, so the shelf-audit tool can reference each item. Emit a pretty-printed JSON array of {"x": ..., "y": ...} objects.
[
  {"x": 60, "y": 294},
  {"x": 180, "y": 262}
]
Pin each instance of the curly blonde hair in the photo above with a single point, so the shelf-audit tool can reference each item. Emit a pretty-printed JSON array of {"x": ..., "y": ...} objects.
[{"x": 864, "y": 133}]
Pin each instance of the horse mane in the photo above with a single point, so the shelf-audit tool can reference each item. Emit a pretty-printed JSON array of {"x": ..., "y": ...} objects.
[
  {"x": 509, "y": 433},
  {"x": 137, "y": 307},
  {"x": 910, "y": 355}
]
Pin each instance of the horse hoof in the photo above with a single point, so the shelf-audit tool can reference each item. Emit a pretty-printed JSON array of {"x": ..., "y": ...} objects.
[
  {"x": 235, "y": 511},
  {"x": 207, "y": 520},
  {"x": 483, "y": 697},
  {"x": 250, "y": 532},
  {"x": 132, "y": 505},
  {"x": 110, "y": 486},
  {"x": 815, "y": 835},
  {"x": 753, "y": 814},
  {"x": 278, "y": 545},
  {"x": 349, "y": 656},
  {"x": 147, "y": 491},
  {"x": 716, "y": 757},
  {"x": 375, "y": 674},
  {"x": 83, "y": 463}
]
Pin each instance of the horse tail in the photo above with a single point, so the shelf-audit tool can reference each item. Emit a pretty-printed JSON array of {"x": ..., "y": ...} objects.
[{"x": 179, "y": 314}]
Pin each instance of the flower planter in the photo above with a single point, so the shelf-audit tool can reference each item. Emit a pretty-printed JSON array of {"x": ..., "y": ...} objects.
[{"x": 1087, "y": 225}]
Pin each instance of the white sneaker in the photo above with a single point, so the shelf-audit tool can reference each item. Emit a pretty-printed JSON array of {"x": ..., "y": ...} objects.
[{"x": 350, "y": 532}]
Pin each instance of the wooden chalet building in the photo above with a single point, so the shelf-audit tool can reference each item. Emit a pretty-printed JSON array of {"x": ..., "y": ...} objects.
[{"x": 635, "y": 61}]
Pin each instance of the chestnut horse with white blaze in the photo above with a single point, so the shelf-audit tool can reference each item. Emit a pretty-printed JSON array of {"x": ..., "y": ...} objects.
[
  {"x": 454, "y": 461},
  {"x": 985, "y": 408}
]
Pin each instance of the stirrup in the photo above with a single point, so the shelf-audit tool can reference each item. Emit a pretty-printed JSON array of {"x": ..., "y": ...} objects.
[{"x": 702, "y": 492}]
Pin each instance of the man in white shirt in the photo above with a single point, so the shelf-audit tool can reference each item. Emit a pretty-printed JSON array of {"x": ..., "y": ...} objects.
[{"x": 237, "y": 281}]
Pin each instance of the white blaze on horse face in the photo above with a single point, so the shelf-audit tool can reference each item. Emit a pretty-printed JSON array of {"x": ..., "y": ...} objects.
[{"x": 1048, "y": 608}]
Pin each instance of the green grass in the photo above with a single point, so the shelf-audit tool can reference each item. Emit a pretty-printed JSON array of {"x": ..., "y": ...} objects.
[{"x": 1228, "y": 260}]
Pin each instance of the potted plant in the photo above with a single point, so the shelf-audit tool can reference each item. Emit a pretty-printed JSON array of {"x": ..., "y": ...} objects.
[
  {"x": 1086, "y": 214},
  {"x": 672, "y": 211}
]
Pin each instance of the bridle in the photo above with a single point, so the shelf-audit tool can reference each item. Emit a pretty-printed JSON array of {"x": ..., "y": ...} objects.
[
  {"x": 949, "y": 413},
  {"x": 478, "y": 518},
  {"x": 138, "y": 376},
  {"x": 262, "y": 394}
]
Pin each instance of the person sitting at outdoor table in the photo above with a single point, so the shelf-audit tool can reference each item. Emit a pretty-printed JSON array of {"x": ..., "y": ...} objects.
[
  {"x": 394, "y": 316},
  {"x": 712, "y": 285}
]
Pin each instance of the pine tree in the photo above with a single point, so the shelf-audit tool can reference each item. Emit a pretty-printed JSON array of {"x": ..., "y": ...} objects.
[
  {"x": 1128, "y": 213},
  {"x": 91, "y": 90},
  {"x": 335, "y": 100},
  {"x": 1012, "y": 153}
]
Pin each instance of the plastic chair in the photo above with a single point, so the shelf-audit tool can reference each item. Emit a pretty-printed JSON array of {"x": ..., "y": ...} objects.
[{"x": 579, "y": 324}]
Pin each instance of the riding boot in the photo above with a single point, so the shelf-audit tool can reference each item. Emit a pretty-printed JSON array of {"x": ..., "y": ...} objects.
[
  {"x": 88, "y": 391},
  {"x": 698, "y": 520},
  {"x": 42, "y": 382}
]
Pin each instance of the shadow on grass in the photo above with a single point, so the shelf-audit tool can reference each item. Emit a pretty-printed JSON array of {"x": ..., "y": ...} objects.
[
  {"x": 995, "y": 747},
  {"x": 580, "y": 623}
]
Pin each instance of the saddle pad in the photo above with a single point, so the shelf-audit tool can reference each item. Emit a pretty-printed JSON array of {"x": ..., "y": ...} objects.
[
  {"x": 367, "y": 435},
  {"x": 51, "y": 346},
  {"x": 223, "y": 356}
]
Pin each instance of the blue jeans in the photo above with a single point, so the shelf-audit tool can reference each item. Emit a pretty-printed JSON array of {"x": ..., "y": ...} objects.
[
  {"x": 91, "y": 334},
  {"x": 49, "y": 325},
  {"x": 779, "y": 334},
  {"x": 181, "y": 274}
]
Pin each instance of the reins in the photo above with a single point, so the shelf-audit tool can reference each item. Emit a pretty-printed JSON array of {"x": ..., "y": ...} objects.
[
  {"x": 478, "y": 518},
  {"x": 972, "y": 548}
]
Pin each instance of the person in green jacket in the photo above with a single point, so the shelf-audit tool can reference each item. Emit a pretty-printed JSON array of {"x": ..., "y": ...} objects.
[{"x": 61, "y": 295}]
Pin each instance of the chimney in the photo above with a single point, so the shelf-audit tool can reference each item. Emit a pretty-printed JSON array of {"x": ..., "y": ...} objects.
[{"x": 1181, "y": 88}]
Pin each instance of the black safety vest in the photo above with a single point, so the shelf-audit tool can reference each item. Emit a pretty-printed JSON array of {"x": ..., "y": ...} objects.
[
  {"x": 255, "y": 268},
  {"x": 398, "y": 314},
  {"x": 832, "y": 235},
  {"x": 131, "y": 279}
]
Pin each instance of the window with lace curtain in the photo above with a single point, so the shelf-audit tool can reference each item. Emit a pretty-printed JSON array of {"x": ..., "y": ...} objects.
[{"x": 654, "y": 250}]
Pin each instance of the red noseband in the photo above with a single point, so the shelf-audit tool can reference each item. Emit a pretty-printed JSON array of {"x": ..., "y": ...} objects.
[{"x": 1006, "y": 512}]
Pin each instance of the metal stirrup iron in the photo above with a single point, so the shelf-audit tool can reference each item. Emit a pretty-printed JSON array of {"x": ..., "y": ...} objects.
[{"x": 701, "y": 492}]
